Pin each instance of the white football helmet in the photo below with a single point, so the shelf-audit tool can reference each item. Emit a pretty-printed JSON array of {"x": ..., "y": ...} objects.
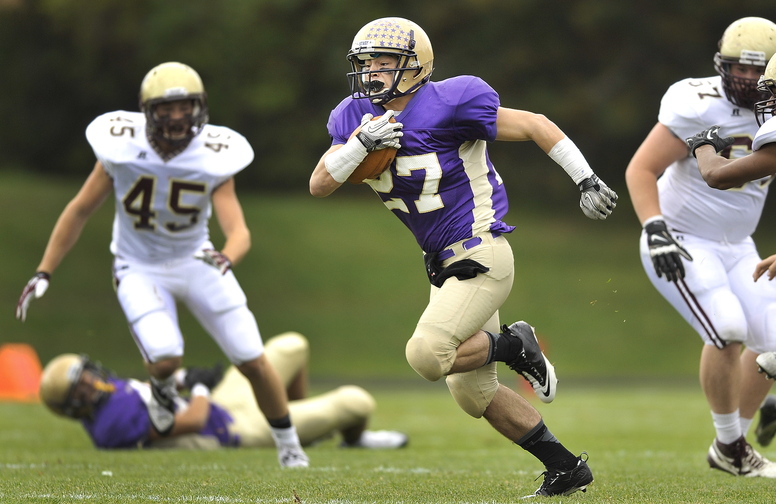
[
  {"x": 748, "y": 41},
  {"x": 64, "y": 392},
  {"x": 764, "y": 110},
  {"x": 173, "y": 81},
  {"x": 397, "y": 36}
]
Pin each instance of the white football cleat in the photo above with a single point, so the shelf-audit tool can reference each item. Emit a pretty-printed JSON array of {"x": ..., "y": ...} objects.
[
  {"x": 379, "y": 440},
  {"x": 740, "y": 459},
  {"x": 292, "y": 456},
  {"x": 767, "y": 363}
]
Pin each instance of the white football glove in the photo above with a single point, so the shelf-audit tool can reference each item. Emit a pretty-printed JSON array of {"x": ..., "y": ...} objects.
[
  {"x": 373, "y": 135},
  {"x": 597, "y": 200},
  {"x": 380, "y": 133},
  {"x": 215, "y": 259},
  {"x": 34, "y": 289}
]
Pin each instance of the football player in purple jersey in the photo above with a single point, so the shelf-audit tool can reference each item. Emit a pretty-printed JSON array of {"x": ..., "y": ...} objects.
[
  {"x": 219, "y": 412},
  {"x": 444, "y": 188}
]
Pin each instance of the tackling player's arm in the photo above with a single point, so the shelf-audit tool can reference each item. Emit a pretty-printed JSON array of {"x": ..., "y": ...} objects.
[
  {"x": 722, "y": 173},
  {"x": 232, "y": 222}
]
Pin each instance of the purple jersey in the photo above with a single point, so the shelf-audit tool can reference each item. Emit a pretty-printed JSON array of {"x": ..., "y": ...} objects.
[
  {"x": 442, "y": 184},
  {"x": 121, "y": 421}
]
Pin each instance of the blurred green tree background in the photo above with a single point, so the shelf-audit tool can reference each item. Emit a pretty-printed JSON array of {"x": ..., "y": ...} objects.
[
  {"x": 275, "y": 68},
  {"x": 350, "y": 277}
]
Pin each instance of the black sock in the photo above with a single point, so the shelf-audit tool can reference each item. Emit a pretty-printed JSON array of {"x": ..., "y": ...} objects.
[
  {"x": 540, "y": 443},
  {"x": 503, "y": 348},
  {"x": 280, "y": 423}
]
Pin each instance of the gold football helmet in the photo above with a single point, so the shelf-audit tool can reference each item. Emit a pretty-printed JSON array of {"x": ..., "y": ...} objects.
[
  {"x": 169, "y": 82},
  {"x": 748, "y": 41},
  {"x": 65, "y": 391},
  {"x": 764, "y": 110},
  {"x": 397, "y": 36}
]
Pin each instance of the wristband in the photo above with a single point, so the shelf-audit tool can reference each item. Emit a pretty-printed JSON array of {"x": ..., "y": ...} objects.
[
  {"x": 652, "y": 219},
  {"x": 570, "y": 158},
  {"x": 343, "y": 162},
  {"x": 200, "y": 390}
]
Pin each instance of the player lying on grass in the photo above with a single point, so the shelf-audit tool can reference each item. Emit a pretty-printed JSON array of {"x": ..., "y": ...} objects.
[
  {"x": 219, "y": 412},
  {"x": 760, "y": 165}
]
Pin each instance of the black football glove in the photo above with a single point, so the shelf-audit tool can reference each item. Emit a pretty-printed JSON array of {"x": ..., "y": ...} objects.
[
  {"x": 209, "y": 377},
  {"x": 708, "y": 137},
  {"x": 665, "y": 251}
]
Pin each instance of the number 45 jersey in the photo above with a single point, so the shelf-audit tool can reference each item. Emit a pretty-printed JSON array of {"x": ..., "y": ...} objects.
[{"x": 163, "y": 207}]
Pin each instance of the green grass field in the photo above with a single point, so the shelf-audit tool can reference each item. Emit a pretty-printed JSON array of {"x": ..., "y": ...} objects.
[
  {"x": 345, "y": 273},
  {"x": 647, "y": 444}
]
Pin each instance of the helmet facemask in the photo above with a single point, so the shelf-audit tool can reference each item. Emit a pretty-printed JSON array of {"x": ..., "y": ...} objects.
[
  {"x": 179, "y": 131},
  {"x": 739, "y": 90},
  {"x": 362, "y": 85},
  {"x": 765, "y": 109}
]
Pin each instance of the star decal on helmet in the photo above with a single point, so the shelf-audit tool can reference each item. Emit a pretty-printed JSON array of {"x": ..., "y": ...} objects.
[{"x": 385, "y": 35}]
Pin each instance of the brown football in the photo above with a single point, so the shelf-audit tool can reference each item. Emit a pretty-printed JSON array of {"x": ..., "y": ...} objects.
[{"x": 375, "y": 162}]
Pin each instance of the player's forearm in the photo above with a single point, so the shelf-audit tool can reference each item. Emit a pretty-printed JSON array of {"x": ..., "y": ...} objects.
[
  {"x": 322, "y": 183},
  {"x": 642, "y": 186},
  {"x": 712, "y": 169},
  {"x": 194, "y": 418},
  {"x": 64, "y": 236},
  {"x": 237, "y": 245}
]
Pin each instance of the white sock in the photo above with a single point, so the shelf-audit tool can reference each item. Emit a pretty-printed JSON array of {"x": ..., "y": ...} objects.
[
  {"x": 287, "y": 437},
  {"x": 728, "y": 426},
  {"x": 745, "y": 424}
]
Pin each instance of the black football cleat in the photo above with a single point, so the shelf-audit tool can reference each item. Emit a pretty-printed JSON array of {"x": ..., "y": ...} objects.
[
  {"x": 766, "y": 427},
  {"x": 565, "y": 482}
]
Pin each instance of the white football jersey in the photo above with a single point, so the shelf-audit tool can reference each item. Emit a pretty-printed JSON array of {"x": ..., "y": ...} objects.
[
  {"x": 766, "y": 134},
  {"x": 162, "y": 208},
  {"x": 687, "y": 203}
]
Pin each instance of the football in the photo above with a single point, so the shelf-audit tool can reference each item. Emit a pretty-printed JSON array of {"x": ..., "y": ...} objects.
[{"x": 375, "y": 162}]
